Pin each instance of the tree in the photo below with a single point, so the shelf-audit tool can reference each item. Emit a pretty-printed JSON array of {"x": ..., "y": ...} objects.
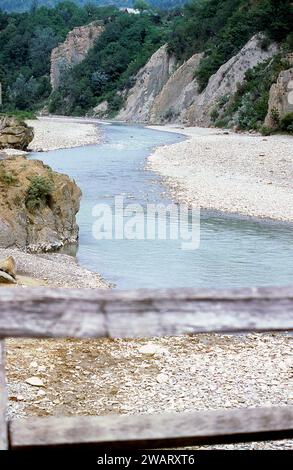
[{"x": 141, "y": 5}]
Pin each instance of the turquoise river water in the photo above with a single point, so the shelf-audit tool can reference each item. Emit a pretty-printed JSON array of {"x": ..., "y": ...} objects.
[{"x": 233, "y": 252}]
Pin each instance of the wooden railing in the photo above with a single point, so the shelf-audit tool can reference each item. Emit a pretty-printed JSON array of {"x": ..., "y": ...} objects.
[{"x": 47, "y": 313}]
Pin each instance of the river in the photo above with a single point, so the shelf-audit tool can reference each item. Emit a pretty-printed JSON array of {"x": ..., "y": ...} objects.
[{"x": 233, "y": 252}]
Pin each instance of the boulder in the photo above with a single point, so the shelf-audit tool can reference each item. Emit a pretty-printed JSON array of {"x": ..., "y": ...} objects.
[
  {"x": 8, "y": 266},
  {"x": 15, "y": 134},
  {"x": 38, "y": 206},
  {"x": 6, "y": 278}
]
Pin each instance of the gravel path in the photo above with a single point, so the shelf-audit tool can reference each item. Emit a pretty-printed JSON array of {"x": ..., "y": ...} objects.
[
  {"x": 179, "y": 374},
  {"x": 237, "y": 173}
]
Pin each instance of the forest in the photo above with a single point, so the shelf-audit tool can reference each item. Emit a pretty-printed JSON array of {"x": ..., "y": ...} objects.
[{"x": 220, "y": 28}]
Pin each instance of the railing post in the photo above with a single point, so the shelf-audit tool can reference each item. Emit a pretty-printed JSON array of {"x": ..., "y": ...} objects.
[{"x": 3, "y": 400}]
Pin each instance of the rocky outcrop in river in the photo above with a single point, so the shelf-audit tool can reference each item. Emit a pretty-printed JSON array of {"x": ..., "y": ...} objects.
[
  {"x": 15, "y": 134},
  {"x": 73, "y": 50},
  {"x": 38, "y": 206}
]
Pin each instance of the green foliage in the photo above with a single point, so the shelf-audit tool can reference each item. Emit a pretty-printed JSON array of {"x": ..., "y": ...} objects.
[
  {"x": 7, "y": 178},
  {"x": 286, "y": 123},
  {"x": 26, "y": 42},
  {"x": 249, "y": 106},
  {"x": 220, "y": 28},
  {"x": 25, "y": 5},
  {"x": 123, "y": 48},
  {"x": 265, "y": 131},
  {"x": 39, "y": 192},
  {"x": 21, "y": 115}
]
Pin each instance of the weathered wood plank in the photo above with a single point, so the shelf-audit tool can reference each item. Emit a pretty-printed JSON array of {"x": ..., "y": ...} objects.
[
  {"x": 3, "y": 400},
  {"x": 151, "y": 431},
  {"x": 140, "y": 313}
]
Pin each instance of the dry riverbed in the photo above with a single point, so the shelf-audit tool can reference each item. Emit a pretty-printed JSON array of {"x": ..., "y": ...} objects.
[
  {"x": 57, "y": 133},
  {"x": 180, "y": 374},
  {"x": 245, "y": 174},
  {"x": 96, "y": 377}
]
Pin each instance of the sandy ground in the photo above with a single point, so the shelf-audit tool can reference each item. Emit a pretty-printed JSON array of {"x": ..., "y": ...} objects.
[
  {"x": 56, "y": 133},
  {"x": 245, "y": 174}
]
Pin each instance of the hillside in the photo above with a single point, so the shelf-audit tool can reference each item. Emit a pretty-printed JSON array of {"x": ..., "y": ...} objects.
[
  {"x": 25, "y": 5},
  {"x": 226, "y": 56}
]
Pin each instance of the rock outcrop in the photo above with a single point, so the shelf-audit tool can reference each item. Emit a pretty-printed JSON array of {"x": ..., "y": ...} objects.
[
  {"x": 177, "y": 94},
  {"x": 15, "y": 134},
  {"x": 73, "y": 50},
  {"x": 225, "y": 81},
  {"x": 148, "y": 83},
  {"x": 38, "y": 207},
  {"x": 281, "y": 99}
]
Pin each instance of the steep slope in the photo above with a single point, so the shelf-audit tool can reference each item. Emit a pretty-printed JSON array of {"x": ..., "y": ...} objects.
[
  {"x": 224, "y": 83},
  {"x": 73, "y": 50},
  {"x": 177, "y": 94},
  {"x": 280, "y": 99},
  {"x": 148, "y": 83}
]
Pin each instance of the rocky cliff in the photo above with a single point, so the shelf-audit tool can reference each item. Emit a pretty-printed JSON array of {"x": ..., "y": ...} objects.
[
  {"x": 15, "y": 134},
  {"x": 177, "y": 94},
  {"x": 280, "y": 99},
  {"x": 38, "y": 207},
  {"x": 148, "y": 83},
  {"x": 163, "y": 93},
  {"x": 225, "y": 81},
  {"x": 73, "y": 50}
]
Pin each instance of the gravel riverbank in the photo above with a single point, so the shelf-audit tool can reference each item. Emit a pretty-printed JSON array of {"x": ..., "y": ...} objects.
[
  {"x": 52, "y": 270},
  {"x": 179, "y": 374},
  {"x": 62, "y": 132},
  {"x": 244, "y": 174}
]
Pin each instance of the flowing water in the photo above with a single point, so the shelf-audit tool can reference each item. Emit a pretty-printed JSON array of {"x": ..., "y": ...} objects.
[{"x": 233, "y": 252}]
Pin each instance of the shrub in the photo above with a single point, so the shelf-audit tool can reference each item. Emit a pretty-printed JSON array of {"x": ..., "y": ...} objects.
[
  {"x": 39, "y": 192},
  {"x": 7, "y": 178},
  {"x": 265, "y": 131},
  {"x": 286, "y": 123}
]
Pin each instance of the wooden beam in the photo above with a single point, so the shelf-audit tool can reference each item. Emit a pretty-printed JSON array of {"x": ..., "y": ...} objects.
[
  {"x": 155, "y": 431},
  {"x": 41, "y": 312},
  {"x": 3, "y": 400}
]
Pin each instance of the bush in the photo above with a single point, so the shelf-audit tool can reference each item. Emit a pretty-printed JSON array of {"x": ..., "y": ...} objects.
[
  {"x": 266, "y": 131},
  {"x": 7, "y": 178},
  {"x": 286, "y": 123},
  {"x": 39, "y": 192}
]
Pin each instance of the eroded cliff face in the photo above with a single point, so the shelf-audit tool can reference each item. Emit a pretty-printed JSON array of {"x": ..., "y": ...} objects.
[
  {"x": 163, "y": 93},
  {"x": 226, "y": 80},
  {"x": 281, "y": 99},
  {"x": 38, "y": 206},
  {"x": 177, "y": 94},
  {"x": 73, "y": 50},
  {"x": 148, "y": 83}
]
